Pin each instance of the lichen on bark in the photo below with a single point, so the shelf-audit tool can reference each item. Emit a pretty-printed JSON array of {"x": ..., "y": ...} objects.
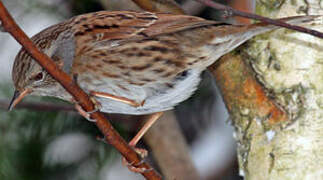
[{"x": 289, "y": 67}]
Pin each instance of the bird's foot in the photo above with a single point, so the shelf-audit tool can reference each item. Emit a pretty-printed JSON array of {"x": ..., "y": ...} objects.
[
  {"x": 85, "y": 114},
  {"x": 132, "y": 166}
]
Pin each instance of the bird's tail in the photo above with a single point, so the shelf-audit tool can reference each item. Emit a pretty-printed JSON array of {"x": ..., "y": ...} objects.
[{"x": 229, "y": 37}]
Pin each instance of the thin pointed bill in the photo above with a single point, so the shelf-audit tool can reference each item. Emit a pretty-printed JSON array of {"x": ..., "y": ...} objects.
[{"x": 17, "y": 97}]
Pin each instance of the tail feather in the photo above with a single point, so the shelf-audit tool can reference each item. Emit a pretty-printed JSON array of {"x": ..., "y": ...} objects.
[{"x": 229, "y": 37}]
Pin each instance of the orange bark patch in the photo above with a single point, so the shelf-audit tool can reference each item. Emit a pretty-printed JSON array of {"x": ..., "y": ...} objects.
[
  {"x": 241, "y": 90},
  {"x": 242, "y": 5},
  {"x": 259, "y": 100}
]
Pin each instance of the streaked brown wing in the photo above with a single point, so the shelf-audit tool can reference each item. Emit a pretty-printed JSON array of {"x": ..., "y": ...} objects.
[
  {"x": 118, "y": 45},
  {"x": 119, "y": 25}
]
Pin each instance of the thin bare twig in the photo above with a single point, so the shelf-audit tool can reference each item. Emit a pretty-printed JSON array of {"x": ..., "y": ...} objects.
[
  {"x": 78, "y": 94},
  {"x": 233, "y": 12},
  {"x": 37, "y": 106}
]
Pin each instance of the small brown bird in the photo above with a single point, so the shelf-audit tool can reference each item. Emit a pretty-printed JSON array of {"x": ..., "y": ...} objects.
[{"x": 131, "y": 62}]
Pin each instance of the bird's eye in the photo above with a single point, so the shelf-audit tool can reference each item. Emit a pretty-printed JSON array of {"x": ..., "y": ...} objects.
[{"x": 39, "y": 76}]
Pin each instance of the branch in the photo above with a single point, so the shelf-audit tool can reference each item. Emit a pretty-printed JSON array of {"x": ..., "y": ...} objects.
[
  {"x": 240, "y": 89},
  {"x": 36, "y": 106},
  {"x": 78, "y": 94},
  {"x": 269, "y": 150},
  {"x": 229, "y": 11}
]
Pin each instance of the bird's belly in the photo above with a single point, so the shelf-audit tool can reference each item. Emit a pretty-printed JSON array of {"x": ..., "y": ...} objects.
[{"x": 156, "y": 97}]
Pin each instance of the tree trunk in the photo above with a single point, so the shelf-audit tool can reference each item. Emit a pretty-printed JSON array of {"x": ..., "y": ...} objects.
[{"x": 273, "y": 89}]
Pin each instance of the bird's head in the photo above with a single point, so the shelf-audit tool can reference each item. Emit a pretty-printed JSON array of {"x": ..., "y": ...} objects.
[{"x": 30, "y": 78}]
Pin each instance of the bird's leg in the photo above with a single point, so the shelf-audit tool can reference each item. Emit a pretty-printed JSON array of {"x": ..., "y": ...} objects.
[
  {"x": 142, "y": 152},
  {"x": 150, "y": 121},
  {"x": 117, "y": 98},
  {"x": 98, "y": 105}
]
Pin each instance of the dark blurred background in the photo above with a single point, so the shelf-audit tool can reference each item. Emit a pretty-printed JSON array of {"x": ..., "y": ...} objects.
[{"x": 40, "y": 142}]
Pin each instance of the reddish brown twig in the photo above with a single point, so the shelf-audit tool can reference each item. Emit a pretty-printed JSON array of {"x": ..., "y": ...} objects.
[
  {"x": 79, "y": 95},
  {"x": 229, "y": 11}
]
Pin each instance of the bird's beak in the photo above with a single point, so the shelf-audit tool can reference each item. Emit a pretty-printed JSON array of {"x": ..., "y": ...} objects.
[{"x": 17, "y": 97}]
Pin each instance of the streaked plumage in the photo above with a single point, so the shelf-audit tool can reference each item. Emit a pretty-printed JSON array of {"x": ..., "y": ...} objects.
[{"x": 154, "y": 59}]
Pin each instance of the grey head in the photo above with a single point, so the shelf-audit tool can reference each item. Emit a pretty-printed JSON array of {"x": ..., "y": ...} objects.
[{"x": 30, "y": 78}]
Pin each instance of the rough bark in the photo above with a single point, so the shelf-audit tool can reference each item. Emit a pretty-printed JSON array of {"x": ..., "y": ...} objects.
[{"x": 275, "y": 98}]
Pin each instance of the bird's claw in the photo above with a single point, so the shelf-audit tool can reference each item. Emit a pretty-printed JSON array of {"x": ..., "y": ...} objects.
[
  {"x": 132, "y": 166},
  {"x": 87, "y": 115}
]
